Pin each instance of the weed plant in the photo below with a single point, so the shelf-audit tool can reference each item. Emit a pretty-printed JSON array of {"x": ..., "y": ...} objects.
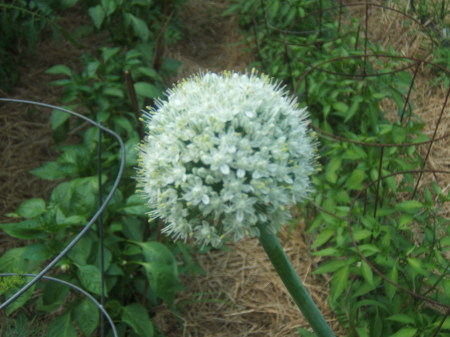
[{"x": 382, "y": 242}]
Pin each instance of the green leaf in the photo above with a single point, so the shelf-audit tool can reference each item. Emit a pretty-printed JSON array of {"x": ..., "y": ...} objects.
[
  {"x": 97, "y": 14},
  {"x": 170, "y": 65},
  {"x": 140, "y": 27},
  {"x": 401, "y": 318},
  {"x": 405, "y": 332},
  {"x": 21, "y": 301},
  {"x": 331, "y": 266},
  {"x": 31, "y": 208},
  {"x": 366, "y": 272},
  {"x": 341, "y": 107},
  {"x": 135, "y": 205},
  {"x": 323, "y": 237},
  {"x": 360, "y": 234},
  {"x": 61, "y": 327},
  {"x": 86, "y": 315},
  {"x": 109, "y": 6},
  {"x": 355, "y": 180},
  {"x": 137, "y": 318},
  {"x": 37, "y": 251},
  {"x": 410, "y": 206},
  {"x": 59, "y": 69},
  {"x": 89, "y": 276},
  {"x": 81, "y": 251},
  {"x": 305, "y": 333},
  {"x": 339, "y": 282},
  {"x": 390, "y": 288},
  {"x": 147, "y": 90},
  {"x": 50, "y": 170},
  {"x": 68, "y": 3},
  {"x": 54, "y": 294},
  {"x": 331, "y": 168},
  {"x": 161, "y": 269}
]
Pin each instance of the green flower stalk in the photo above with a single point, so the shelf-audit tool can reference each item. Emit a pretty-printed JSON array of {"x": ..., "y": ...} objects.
[{"x": 225, "y": 157}]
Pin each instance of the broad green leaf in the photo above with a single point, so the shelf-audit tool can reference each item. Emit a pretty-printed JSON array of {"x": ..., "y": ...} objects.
[
  {"x": 58, "y": 118},
  {"x": 61, "y": 327},
  {"x": 401, "y": 318},
  {"x": 323, "y": 237},
  {"x": 138, "y": 319},
  {"x": 31, "y": 208},
  {"x": 25, "y": 230},
  {"x": 37, "y": 251},
  {"x": 12, "y": 261},
  {"x": 97, "y": 15},
  {"x": 86, "y": 315},
  {"x": 405, "y": 332},
  {"x": 21, "y": 301},
  {"x": 390, "y": 288},
  {"x": 51, "y": 170},
  {"x": 341, "y": 107},
  {"x": 355, "y": 180},
  {"x": 326, "y": 252},
  {"x": 134, "y": 205},
  {"x": 331, "y": 168},
  {"x": 361, "y": 234},
  {"x": 89, "y": 276},
  {"x": 410, "y": 206},
  {"x": 59, "y": 69},
  {"x": 54, "y": 293},
  {"x": 115, "y": 92},
  {"x": 331, "y": 266},
  {"x": 140, "y": 27},
  {"x": 162, "y": 270},
  {"x": 366, "y": 272},
  {"x": 417, "y": 266},
  {"x": 170, "y": 65},
  {"x": 81, "y": 251},
  {"x": 147, "y": 90},
  {"x": 109, "y": 6},
  {"x": 339, "y": 282}
]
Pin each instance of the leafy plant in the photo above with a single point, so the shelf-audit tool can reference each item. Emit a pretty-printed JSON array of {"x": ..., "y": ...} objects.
[
  {"x": 141, "y": 270},
  {"x": 369, "y": 224}
]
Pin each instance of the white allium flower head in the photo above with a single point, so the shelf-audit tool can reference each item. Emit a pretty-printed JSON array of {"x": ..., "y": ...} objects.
[{"x": 223, "y": 153}]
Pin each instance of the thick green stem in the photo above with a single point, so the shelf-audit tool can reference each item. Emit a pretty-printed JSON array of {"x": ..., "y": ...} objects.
[{"x": 293, "y": 283}]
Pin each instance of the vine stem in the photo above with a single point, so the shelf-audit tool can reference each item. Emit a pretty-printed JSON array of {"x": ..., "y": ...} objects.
[{"x": 293, "y": 283}]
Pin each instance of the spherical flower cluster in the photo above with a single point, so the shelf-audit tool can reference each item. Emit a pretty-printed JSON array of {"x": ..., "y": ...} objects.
[{"x": 223, "y": 153}]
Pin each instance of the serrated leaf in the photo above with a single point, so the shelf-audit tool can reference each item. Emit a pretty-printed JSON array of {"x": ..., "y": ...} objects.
[
  {"x": 59, "y": 69},
  {"x": 86, "y": 315},
  {"x": 339, "y": 282},
  {"x": 89, "y": 276},
  {"x": 138, "y": 319},
  {"x": 147, "y": 90},
  {"x": 31, "y": 208},
  {"x": 61, "y": 327},
  {"x": 323, "y": 237}
]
